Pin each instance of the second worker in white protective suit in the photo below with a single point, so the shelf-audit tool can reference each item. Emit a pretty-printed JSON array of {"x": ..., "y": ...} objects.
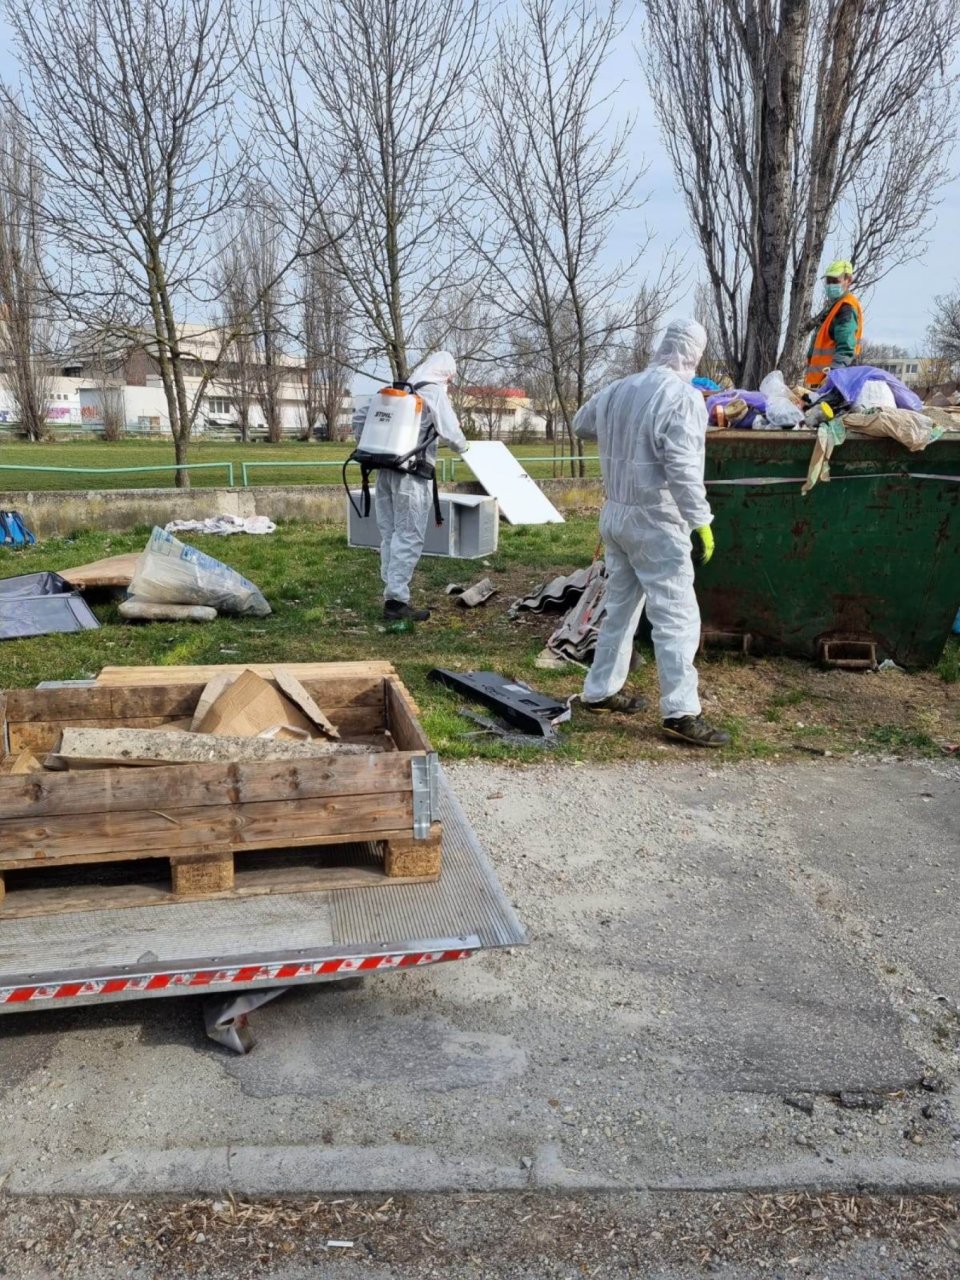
[
  {"x": 651, "y": 429},
  {"x": 404, "y": 500}
]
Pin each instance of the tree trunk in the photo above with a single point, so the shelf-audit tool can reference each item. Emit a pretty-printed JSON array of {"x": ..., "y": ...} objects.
[
  {"x": 778, "y": 62},
  {"x": 181, "y": 479}
]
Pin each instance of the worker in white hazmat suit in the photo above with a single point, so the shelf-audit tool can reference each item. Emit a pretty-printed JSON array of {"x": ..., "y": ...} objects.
[
  {"x": 404, "y": 500},
  {"x": 651, "y": 429}
]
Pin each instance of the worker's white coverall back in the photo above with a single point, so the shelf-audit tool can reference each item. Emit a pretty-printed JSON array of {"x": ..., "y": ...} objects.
[
  {"x": 651, "y": 429},
  {"x": 403, "y": 500}
]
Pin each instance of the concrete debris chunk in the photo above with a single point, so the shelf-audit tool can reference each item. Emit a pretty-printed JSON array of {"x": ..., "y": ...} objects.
[
  {"x": 134, "y": 610},
  {"x": 101, "y": 748}
]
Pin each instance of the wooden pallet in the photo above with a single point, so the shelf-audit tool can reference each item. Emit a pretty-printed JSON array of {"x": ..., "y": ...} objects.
[
  {"x": 197, "y": 818},
  {"x": 101, "y": 886}
]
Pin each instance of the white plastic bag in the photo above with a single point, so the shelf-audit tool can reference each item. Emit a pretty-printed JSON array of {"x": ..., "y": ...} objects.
[
  {"x": 169, "y": 572},
  {"x": 781, "y": 412},
  {"x": 875, "y": 394}
]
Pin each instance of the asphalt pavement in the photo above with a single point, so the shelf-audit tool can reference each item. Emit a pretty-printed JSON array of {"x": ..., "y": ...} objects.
[{"x": 737, "y": 978}]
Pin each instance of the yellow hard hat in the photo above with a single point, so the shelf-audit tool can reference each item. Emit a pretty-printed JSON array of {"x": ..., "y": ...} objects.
[{"x": 839, "y": 267}]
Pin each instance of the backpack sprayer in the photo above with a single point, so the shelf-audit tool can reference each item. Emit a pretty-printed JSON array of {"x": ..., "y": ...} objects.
[{"x": 390, "y": 441}]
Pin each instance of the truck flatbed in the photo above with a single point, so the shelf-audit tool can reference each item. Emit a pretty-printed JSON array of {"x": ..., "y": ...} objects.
[{"x": 244, "y": 951}]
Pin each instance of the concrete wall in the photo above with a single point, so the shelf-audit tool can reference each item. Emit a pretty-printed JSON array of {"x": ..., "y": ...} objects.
[{"x": 59, "y": 514}]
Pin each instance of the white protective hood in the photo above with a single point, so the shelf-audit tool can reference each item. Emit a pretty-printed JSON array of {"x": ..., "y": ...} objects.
[
  {"x": 681, "y": 348},
  {"x": 440, "y": 368}
]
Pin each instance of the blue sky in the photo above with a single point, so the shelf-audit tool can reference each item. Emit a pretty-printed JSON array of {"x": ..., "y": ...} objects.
[{"x": 898, "y": 310}]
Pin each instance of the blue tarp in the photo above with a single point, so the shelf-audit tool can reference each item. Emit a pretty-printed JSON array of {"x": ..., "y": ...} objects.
[{"x": 849, "y": 383}]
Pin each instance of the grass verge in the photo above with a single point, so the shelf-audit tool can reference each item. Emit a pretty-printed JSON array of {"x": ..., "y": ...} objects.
[{"x": 326, "y": 601}]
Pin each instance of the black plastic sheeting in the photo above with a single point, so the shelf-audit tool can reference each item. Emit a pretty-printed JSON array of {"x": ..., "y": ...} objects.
[
  {"x": 41, "y": 604},
  {"x": 519, "y": 705}
]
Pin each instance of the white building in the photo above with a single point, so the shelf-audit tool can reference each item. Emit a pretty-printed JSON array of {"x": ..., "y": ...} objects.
[
  {"x": 63, "y": 406},
  {"x": 135, "y": 370}
]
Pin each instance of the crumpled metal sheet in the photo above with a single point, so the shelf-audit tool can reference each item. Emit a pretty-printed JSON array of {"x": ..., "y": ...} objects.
[
  {"x": 576, "y": 637},
  {"x": 559, "y": 593}
]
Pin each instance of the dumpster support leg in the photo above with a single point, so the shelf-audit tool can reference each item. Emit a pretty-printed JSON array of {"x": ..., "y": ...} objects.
[{"x": 226, "y": 1020}]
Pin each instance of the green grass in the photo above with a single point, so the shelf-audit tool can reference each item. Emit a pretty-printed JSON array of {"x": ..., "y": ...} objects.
[
  {"x": 949, "y": 667},
  {"x": 898, "y": 738},
  {"x": 149, "y": 453},
  {"x": 327, "y": 602}
]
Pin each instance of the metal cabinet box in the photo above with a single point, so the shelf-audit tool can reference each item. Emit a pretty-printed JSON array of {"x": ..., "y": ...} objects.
[{"x": 470, "y": 529}]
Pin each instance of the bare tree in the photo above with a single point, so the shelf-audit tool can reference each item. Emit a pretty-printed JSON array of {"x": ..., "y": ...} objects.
[
  {"x": 106, "y": 371},
  {"x": 552, "y": 183},
  {"x": 489, "y": 406},
  {"x": 712, "y": 363},
  {"x": 635, "y": 345},
  {"x": 881, "y": 352},
  {"x": 237, "y": 373},
  {"x": 136, "y": 159},
  {"x": 789, "y": 131},
  {"x": 25, "y": 327},
  {"x": 943, "y": 336},
  {"x": 325, "y": 338},
  {"x": 363, "y": 105},
  {"x": 261, "y": 243},
  {"x": 466, "y": 322}
]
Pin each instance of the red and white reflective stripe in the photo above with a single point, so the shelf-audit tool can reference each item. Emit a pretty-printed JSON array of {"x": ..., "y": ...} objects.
[{"x": 245, "y": 974}]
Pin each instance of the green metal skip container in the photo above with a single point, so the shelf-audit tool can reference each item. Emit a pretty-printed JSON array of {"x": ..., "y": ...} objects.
[{"x": 864, "y": 567}]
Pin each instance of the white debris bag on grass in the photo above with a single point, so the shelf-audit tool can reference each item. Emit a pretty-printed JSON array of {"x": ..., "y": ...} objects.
[
  {"x": 223, "y": 525},
  {"x": 169, "y": 572}
]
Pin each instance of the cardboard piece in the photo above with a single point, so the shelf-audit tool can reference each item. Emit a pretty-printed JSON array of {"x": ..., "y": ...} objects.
[
  {"x": 212, "y": 691},
  {"x": 294, "y": 690},
  {"x": 248, "y": 706},
  {"x": 115, "y": 571}
]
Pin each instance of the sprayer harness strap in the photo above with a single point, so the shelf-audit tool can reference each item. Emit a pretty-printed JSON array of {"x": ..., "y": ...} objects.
[{"x": 421, "y": 469}]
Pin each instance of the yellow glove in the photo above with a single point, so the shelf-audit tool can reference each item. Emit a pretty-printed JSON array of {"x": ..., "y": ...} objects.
[{"x": 702, "y": 544}]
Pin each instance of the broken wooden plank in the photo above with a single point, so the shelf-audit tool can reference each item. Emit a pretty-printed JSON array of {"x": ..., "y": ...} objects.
[{"x": 147, "y": 747}]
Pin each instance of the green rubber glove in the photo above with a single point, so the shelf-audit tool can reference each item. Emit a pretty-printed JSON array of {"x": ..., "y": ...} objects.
[{"x": 702, "y": 544}]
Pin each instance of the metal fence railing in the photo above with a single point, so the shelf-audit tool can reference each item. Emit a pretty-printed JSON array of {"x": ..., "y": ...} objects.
[
  {"x": 446, "y": 467},
  {"x": 443, "y": 466},
  {"x": 562, "y": 464}
]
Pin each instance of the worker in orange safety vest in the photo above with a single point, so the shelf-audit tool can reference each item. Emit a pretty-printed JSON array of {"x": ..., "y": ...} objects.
[{"x": 838, "y": 337}]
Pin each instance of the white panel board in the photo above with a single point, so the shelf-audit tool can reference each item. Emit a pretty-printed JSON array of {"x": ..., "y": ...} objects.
[{"x": 518, "y": 495}]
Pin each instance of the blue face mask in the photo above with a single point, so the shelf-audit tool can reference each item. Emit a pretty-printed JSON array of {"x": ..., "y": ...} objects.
[{"x": 835, "y": 292}]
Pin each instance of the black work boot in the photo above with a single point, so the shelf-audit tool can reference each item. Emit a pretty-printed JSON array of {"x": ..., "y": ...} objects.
[
  {"x": 696, "y": 731},
  {"x": 626, "y": 704},
  {"x": 398, "y": 611}
]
